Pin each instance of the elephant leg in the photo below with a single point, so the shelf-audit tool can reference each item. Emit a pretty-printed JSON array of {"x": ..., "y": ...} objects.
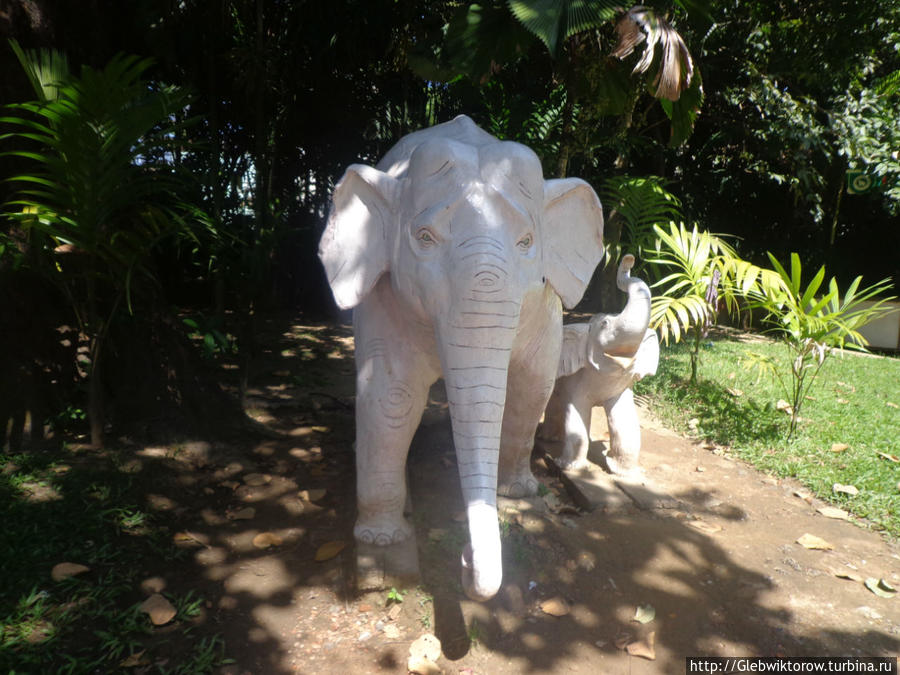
[
  {"x": 552, "y": 428},
  {"x": 520, "y": 419},
  {"x": 530, "y": 383},
  {"x": 624, "y": 434},
  {"x": 577, "y": 438},
  {"x": 392, "y": 383}
]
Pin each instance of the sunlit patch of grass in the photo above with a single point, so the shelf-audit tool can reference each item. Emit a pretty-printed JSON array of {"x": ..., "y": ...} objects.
[{"x": 853, "y": 404}]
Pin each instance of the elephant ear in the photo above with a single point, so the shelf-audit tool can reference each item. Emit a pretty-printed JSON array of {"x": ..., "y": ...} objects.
[
  {"x": 573, "y": 236},
  {"x": 573, "y": 355},
  {"x": 355, "y": 247},
  {"x": 647, "y": 358}
]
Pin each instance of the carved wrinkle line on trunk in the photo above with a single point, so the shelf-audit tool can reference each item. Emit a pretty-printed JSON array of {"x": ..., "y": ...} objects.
[
  {"x": 494, "y": 349},
  {"x": 489, "y": 476},
  {"x": 461, "y": 387},
  {"x": 514, "y": 303},
  {"x": 499, "y": 369},
  {"x": 474, "y": 404},
  {"x": 491, "y": 326},
  {"x": 483, "y": 437},
  {"x": 494, "y": 314}
]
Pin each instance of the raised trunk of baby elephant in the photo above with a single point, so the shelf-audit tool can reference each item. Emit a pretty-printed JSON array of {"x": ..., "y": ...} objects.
[
  {"x": 626, "y": 330},
  {"x": 475, "y": 343}
]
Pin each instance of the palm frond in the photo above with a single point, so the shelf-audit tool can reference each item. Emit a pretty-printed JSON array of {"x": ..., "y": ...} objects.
[{"x": 553, "y": 21}]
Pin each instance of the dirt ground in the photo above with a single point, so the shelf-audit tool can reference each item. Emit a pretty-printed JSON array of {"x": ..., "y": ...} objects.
[{"x": 709, "y": 551}]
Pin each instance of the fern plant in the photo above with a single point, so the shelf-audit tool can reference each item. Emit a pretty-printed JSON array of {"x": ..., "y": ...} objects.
[{"x": 635, "y": 206}]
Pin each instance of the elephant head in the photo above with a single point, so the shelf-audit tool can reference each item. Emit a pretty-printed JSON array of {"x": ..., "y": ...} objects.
[
  {"x": 620, "y": 335},
  {"x": 473, "y": 239}
]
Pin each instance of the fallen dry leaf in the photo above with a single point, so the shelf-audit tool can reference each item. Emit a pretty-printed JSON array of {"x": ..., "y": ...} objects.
[
  {"x": 839, "y": 447},
  {"x": 329, "y": 550},
  {"x": 555, "y": 607},
  {"x": 703, "y": 526},
  {"x": 553, "y": 502},
  {"x": 427, "y": 647},
  {"x": 784, "y": 406},
  {"x": 644, "y": 614},
  {"x": 135, "y": 660},
  {"x": 890, "y": 458},
  {"x": 804, "y": 495},
  {"x": 391, "y": 632},
  {"x": 893, "y": 405},
  {"x": 188, "y": 538},
  {"x": 832, "y": 512},
  {"x": 734, "y": 392},
  {"x": 880, "y": 587},
  {"x": 313, "y": 495},
  {"x": 646, "y": 648},
  {"x": 64, "y": 570},
  {"x": 843, "y": 401},
  {"x": 844, "y": 573},
  {"x": 267, "y": 539},
  {"x": 845, "y": 489},
  {"x": 811, "y": 541},
  {"x": 160, "y": 610}
]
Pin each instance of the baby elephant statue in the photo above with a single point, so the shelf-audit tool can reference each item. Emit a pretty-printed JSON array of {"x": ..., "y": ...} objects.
[
  {"x": 599, "y": 362},
  {"x": 457, "y": 257}
]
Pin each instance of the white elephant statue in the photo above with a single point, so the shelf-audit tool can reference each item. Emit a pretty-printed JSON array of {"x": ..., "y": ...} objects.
[
  {"x": 599, "y": 362},
  {"x": 457, "y": 257}
]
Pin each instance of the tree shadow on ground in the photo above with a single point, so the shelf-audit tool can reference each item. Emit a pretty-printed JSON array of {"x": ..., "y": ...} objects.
[
  {"x": 279, "y": 609},
  {"x": 603, "y": 566}
]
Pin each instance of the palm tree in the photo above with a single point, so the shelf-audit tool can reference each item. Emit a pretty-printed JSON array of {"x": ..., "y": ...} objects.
[{"x": 100, "y": 190}]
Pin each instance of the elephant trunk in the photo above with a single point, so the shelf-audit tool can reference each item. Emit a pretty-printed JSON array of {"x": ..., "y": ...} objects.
[
  {"x": 475, "y": 343},
  {"x": 631, "y": 324}
]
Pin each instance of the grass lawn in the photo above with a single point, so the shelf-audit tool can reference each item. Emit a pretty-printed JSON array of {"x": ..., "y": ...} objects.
[{"x": 849, "y": 433}]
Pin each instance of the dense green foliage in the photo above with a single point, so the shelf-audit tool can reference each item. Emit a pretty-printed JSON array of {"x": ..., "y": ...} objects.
[{"x": 772, "y": 105}]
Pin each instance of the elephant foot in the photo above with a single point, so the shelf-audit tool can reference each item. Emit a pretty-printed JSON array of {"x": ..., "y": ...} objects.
[
  {"x": 383, "y": 532},
  {"x": 520, "y": 486},
  {"x": 626, "y": 469}
]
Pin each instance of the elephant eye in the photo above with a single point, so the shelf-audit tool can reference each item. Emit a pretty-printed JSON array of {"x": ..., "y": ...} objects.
[
  {"x": 426, "y": 238},
  {"x": 525, "y": 242}
]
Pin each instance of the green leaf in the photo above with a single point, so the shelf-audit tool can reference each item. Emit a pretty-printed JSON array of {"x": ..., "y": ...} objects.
[
  {"x": 683, "y": 113},
  {"x": 552, "y": 21}
]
